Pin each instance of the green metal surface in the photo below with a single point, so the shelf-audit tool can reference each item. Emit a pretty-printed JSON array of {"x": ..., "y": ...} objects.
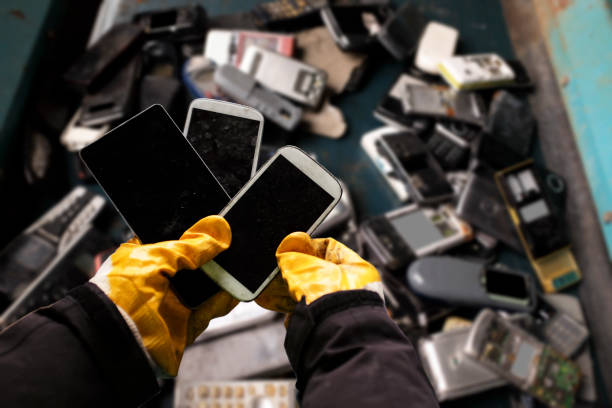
[{"x": 22, "y": 30}]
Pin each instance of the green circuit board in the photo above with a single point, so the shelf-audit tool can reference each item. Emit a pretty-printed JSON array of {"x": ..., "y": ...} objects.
[{"x": 557, "y": 379}]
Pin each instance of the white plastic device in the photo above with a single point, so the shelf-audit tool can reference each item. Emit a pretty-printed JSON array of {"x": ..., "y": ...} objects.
[
  {"x": 475, "y": 71},
  {"x": 437, "y": 42}
]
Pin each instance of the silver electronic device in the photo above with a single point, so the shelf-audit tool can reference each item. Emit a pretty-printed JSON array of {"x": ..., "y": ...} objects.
[
  {"x": 245, "y": 89},
  {"x": 27, "y": 261},
  {"x": 287, "y": 76},
  {"x": 254, "y": 353},
  {"x": 369, "y": 143},
  {"x": 396, "y": 237},
  {"x": 236, "y": 394},
  {"x": 451, "y": 373},
  {"x": 75, "y": 136}
]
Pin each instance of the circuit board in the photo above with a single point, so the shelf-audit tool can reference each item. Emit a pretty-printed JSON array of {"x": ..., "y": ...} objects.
[
  {"x": 527, "y": 363},
  {"x": 557, "y": 379}
]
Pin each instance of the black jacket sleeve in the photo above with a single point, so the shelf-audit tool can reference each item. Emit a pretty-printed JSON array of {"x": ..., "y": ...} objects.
[
  {"x": 347, "y": 352},
  {"x": 77, "y": 352}
]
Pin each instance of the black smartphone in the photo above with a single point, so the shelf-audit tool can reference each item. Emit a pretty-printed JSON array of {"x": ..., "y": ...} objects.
[
  {"x": 155, "y": 179},
  {"x": 227, "y": 137}
]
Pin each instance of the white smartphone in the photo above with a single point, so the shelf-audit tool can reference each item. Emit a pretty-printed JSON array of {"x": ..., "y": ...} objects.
[
  {"x": 227, "y": 137},
  {"x": 287, "y": 76},
  {"x": 291, "y": 192},
  {"x": 437, "y": 42}
]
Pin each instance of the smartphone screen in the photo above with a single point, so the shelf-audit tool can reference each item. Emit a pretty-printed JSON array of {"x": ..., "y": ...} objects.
[
  {"x": 419, "y": 231},
  {"x": 154, "y": 177},
  {"x": 506, "y": 284},
  {"x": 226, "y": 143},
  {"x": 282, "y": 200}
]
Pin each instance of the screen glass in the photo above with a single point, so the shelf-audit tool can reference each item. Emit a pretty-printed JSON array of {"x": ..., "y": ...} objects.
[
  {"x": 534, "y": 211},
  {"x": 154, "y": 177},
  {"x": 523, "y": 360},
  {"x": 417, "y": 230},
  {"x": 281, "y": 201},
  {"x": 506, "y": 284},
  {"x": 227, "y": 145}
]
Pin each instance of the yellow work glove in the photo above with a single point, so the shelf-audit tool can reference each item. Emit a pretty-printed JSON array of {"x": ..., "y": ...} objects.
[
  {"x": 135, "y": 278},
  {"x": 312, "y": 268}
]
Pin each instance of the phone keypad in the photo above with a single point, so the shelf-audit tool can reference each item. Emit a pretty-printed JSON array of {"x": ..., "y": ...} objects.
[{"x": 237, "y": 394}]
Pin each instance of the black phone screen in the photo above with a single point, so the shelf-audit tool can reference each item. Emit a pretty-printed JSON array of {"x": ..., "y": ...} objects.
[
  {"x": 154, "y": 177},
  {"x": 282, "y": 200},
  {"x": 506, "y": 284},
  {"x": 227, "y": 145}
]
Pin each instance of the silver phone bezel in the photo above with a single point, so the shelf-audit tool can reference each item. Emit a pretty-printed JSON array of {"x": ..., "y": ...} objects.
[
  {"x": 230, "y": 109},
  {"x": 317, "y": 173}
]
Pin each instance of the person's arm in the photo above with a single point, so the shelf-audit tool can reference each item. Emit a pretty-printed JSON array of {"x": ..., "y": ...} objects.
[
  {"x": 102, "y": 344},
  {"x": 344, "y": 348},
  {"x": 78, "y": 352},
  {"x": 347, "y": 352}
]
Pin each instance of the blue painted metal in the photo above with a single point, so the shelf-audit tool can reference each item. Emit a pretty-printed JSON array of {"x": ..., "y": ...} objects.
[
  {"x": 22, "y": 26},
  {"x": 578, "y": 34}
]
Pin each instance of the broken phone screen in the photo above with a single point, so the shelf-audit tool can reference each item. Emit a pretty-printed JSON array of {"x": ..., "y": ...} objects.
[
  {"x": 227, "y": 144},
  {"x": 154, "y": 177}
]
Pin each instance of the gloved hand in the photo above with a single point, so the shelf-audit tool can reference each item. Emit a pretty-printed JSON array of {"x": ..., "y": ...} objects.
[
  {"x": 312, "y": 268},
  {"x": 135, "y": 278}
]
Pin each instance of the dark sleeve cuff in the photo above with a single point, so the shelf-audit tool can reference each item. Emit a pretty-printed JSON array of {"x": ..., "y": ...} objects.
[
  {"x": 99, "y": 325},
  {"x": 306, "y": 317}
]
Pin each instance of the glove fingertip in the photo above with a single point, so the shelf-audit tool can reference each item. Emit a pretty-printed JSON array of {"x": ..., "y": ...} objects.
[{"x": 295, "y": 242}]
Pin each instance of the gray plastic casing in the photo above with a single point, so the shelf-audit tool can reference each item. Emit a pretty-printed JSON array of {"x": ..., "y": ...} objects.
[{"x": 462, "y": 282}]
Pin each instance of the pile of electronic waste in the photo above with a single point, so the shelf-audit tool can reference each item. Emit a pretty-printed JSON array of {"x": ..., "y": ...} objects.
[{"x": 455, "y": 149}]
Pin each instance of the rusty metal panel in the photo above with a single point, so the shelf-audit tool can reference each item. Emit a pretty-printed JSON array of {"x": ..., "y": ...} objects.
[{"x": 578, "y": 35}]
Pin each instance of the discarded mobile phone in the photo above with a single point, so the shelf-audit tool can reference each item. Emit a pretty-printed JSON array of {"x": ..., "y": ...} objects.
[
  {"x": 114, "y": 100},
  {"x": 341, "y": 215},
  {"x": 181, "y": 23},
  {"x": 559, "y": 328},
  {"x": 251, "y": 393},
  {"x": 472, "y": 283},
  {"x": 255, "y": 352},
  {"x": 437, "y": 42},
  {"x": 227, "y": 137},
  {"x": 369, "y": 143},
  {"x": 228, "y": 46},
  {"x": 245, "y": 89},
  {"x": 104, "y": 57},
  {"x": 451, "y": 143},
  {"x": 482, "y": 206},
  {"x": 439, "y": 103},
  {"x": 398, "y": 236},
  {"x": 509, "y": 131},
  {"x": 415, "y": 166},
  {"x": 147, "y": 160},
  {"x": 351, "y": 26},
  {"x": 566, "y": 330},
  {"x": 451, "y": 373},
  {"x": 400, "y": 33},
  {"x": 390, "y": 109},
  {"x": 527, "y": 194},
  {"x": 75, "y": 137},
  {"x": 287, "y": 76},
  {"x": 264, "y": 211},
  {"x": 476, "y": 71},
  {"x": 282, "y": 14},
  {"x": 30, "y": 256},
  {"x": 524, "y": 361}
]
